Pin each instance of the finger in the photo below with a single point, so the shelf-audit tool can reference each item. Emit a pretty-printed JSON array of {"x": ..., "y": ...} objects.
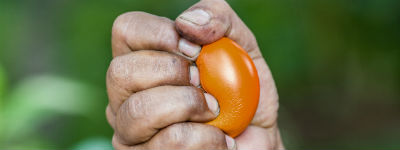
[
  {"x": 139, "y": 30},
  {"x": 145, "y": 112},
  {"x": 189, "y": 49},
  {"x": 183, "y": 136},
  {"x": 209, "y": 20},
  {"x": 255, "y": 137},
  {"x": 141, "y": 70}
]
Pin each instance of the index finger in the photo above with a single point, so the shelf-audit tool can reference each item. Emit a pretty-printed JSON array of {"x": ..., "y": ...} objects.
[{"x": 139, "y": 30}]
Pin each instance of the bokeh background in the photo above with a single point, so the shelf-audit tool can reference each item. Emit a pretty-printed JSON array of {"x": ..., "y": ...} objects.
[{"x": 336, "y": 64}]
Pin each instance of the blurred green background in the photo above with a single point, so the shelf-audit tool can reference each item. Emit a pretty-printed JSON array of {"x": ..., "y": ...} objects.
[{"x": 336, "y": 64}]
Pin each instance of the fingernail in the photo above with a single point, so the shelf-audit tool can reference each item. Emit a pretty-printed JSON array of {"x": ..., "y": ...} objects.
[
  {"x": 212, "y": 103},
  {"x": 188, "y": 48},
  {"x": 230, "y": 142},
  {"x": 197, "y": 16},
  {"x": 194, "y": 76}
]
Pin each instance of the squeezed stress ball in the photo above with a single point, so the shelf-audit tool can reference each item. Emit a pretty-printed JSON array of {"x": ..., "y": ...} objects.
[{"x": 228, "y": 73}]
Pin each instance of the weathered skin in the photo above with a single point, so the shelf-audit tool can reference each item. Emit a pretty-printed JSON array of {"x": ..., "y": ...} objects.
[{"x": 151, "y": 107}]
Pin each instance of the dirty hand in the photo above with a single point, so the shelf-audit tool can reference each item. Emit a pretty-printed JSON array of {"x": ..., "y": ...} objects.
[{"x": 153, "y": 99}]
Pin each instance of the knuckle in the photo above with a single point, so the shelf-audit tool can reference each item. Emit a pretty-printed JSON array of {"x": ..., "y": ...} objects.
[
  {"x": 119, "y": 24},
  {"x": 127, "y": 116},
  {"x": 122, "y": 21},
  {"x": 178, "y": 135},
  {"x": 186, "y": 135},
  {"x": 118, "y": 71},
  {"x": 138, "y": 105},
  {"x": 135, "y": 112},
  {"x": 126, "y": 17}
]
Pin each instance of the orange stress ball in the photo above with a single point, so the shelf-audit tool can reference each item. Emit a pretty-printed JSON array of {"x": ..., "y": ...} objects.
[{"x": 228, "y": 73}]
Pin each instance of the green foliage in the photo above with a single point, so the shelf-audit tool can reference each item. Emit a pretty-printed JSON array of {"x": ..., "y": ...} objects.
[
  {"x": 2, "y": 90},
  {"x": 2, "y": 84},
  {"x": 95, "y": 143},
  {"x": 39, "y": 105}
]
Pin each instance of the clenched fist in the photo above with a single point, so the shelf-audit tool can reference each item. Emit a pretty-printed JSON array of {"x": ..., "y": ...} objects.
[{"x": 152, "y": 84}]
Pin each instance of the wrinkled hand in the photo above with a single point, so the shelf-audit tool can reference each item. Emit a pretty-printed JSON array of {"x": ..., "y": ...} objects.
[{"x": 154, "y": 102}]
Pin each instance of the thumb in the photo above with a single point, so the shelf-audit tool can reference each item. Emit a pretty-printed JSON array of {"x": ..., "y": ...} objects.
[{"x": 210, "y": 20}]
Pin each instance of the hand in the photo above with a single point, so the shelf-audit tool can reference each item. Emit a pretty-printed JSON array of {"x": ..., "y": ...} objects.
[
  {"x": 152, "y": 104},
  {"x": 147, "y": 114}
]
